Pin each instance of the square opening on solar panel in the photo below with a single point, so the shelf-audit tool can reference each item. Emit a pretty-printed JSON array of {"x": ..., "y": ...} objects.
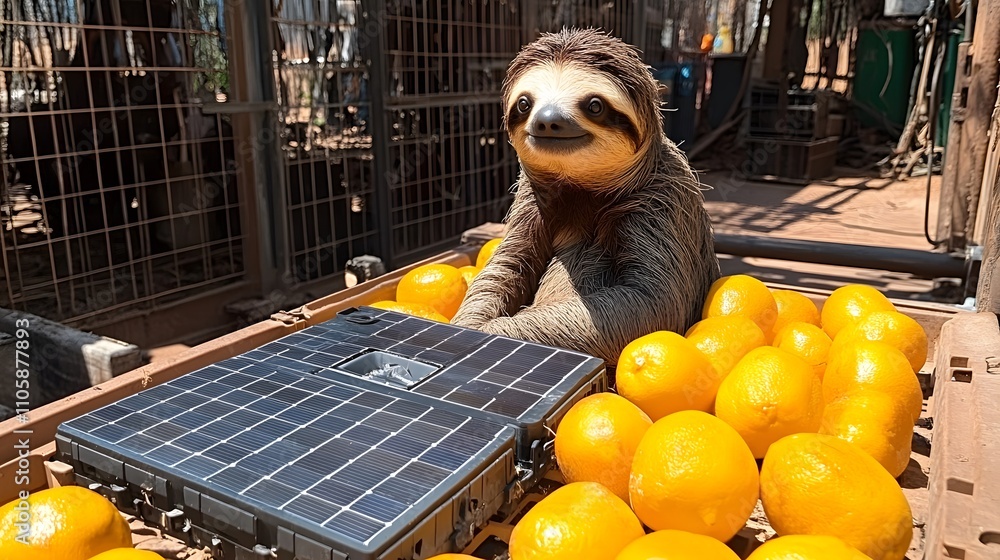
[
  {"x": 387, "y": 368},
  {"x": 353, "y": 468}
]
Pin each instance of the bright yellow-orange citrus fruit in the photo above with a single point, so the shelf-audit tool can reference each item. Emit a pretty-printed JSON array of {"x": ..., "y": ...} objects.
[
  {"x": 578, "y": 520},
  {"x": 877, "y": 423},
  {"x": 848, "y": 304},
  {"x": 876, "y": 366},
  {"x": 415, "y": 309},
  {"x": 807, "y": 547},
  {"x": 806, "y": 341},
  {"x": 794, "y": 307},
  {"x": 67, "y": 522},
  {"x": 815, "y": 484},
  {"x": 770, "y": 394},
  {"x": 596, "y": 439},
  {"x": 676, "y": 545},
  {"x": 469, "y": 273},
  {"x": 440, "y": 286},
  {"x": 127, "y": 554},
  {"x": 692, "y": 472},
  {"x": 663, "y": 372},
  {"x": 725, "y": 340},
  {"x": 486, "y": 251},
  {"x": 893, "y": 328},
  {"x": 742, "y": 295}
]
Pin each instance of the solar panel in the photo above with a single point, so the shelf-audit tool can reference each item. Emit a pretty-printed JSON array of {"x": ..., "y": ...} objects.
[
  {"x": 372, "y": 435},
  {"x": 358, "y": 473}
]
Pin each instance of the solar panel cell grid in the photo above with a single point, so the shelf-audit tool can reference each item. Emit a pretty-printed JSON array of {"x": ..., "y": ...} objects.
[
  {"x": 277, "y": 445},
  {"x": 478, "y": 371}
]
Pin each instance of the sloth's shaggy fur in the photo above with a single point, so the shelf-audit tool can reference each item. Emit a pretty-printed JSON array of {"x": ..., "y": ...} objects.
[{"x": 608, "y": 238}]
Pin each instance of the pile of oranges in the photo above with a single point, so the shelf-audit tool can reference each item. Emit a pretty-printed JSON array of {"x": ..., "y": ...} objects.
[
  {"x": 667, "y": 468},
  {"x": 435, "y": 291}
]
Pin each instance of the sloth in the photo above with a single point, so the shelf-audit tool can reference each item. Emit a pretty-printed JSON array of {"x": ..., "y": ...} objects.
[{"x": 607, "y": 238}]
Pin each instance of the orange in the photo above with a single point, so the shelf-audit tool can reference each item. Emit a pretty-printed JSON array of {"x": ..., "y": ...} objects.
[
  {"x": 578, "y": 520},
  {"x": 127, "y": 554},
  {"x": 676, "y": 545},
  {"x": 876, "y": 366},
  {"x": 596, "y": 439},
  {"x": 794, "y": 307},
  {"x": 663, "y": 372},
  {"x": 469, "y": 273},
  {"x": 67, "y": 522},
  {"x": 806, "y": 341},
  {"x": 877, "y": 423},
  {"x": 724, "y": 340},
  {"x": 815, "y": 484},
  {"x": 893, "y": 328},
  {"x": 415, "y": 309},
  {"x": 770, "y": 394},
  {"x": 440, "y": 286},
  {"x": 742, "y": 295},
  {"x": 848, "y": 304},
  {"x": 692, "y": 472},
  {"x": 486, "y": 251},
  {"x": 807, "y": 547}
]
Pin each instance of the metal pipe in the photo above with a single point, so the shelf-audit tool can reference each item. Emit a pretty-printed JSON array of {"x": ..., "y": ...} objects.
[{"x": 922, "y": 264}]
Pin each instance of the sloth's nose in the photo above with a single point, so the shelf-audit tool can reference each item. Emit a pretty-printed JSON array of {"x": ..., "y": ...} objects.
[{"x": 552, "y": 122}]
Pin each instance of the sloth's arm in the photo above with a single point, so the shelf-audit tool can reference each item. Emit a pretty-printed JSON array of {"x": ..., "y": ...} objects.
[
  {"x": 654, "y": 291},
  {"x": 510, "y": 280}
]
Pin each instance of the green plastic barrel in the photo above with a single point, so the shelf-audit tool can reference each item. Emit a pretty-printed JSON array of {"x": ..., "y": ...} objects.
[{"x": 884, "y": 70}]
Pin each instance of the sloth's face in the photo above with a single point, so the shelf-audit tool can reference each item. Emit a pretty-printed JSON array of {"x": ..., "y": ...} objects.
[{"x": 572, "y": 122}]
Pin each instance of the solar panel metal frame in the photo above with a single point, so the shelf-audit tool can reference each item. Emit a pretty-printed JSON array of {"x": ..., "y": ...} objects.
[
  {"x": 535, "y": 425},
  {"x": 152, "y": 489}
]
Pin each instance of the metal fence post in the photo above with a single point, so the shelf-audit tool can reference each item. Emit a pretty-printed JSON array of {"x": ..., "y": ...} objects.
[
  {"x": 372, "y": 46},
  {"x": 639, "y": 37},
  {"x": 264, "y": 146}
]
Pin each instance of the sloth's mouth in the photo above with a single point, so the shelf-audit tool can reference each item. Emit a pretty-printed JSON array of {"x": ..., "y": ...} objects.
[{"x": 558, "y": 144}]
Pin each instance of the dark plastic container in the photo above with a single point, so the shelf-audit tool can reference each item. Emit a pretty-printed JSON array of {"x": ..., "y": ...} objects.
[{"x": 790, "y": 161}]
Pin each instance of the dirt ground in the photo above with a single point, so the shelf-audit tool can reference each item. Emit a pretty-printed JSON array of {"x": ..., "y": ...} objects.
[{"x": 854, "y": 209}]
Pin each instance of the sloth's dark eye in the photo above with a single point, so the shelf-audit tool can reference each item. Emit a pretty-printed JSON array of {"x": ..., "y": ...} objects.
[
  {"x": 523, "y": 105},
  {"x": 596, "y": 106}
]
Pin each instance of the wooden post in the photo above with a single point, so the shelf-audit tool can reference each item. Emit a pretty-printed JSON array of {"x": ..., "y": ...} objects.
[
  {"x": 979, "y": 111},
  {"x": 987, "y": 231},
  {"x": 952, "y": 210},
  {"x": 777, "y": 36}
]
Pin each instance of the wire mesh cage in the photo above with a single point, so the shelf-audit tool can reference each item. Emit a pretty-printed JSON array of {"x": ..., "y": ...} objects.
[
  {"x": 616, "y": 18},
  {"x": 323, "y": 120},
  {"x": 449, "y": 167},
  {"x": 117, "y": 192}
]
